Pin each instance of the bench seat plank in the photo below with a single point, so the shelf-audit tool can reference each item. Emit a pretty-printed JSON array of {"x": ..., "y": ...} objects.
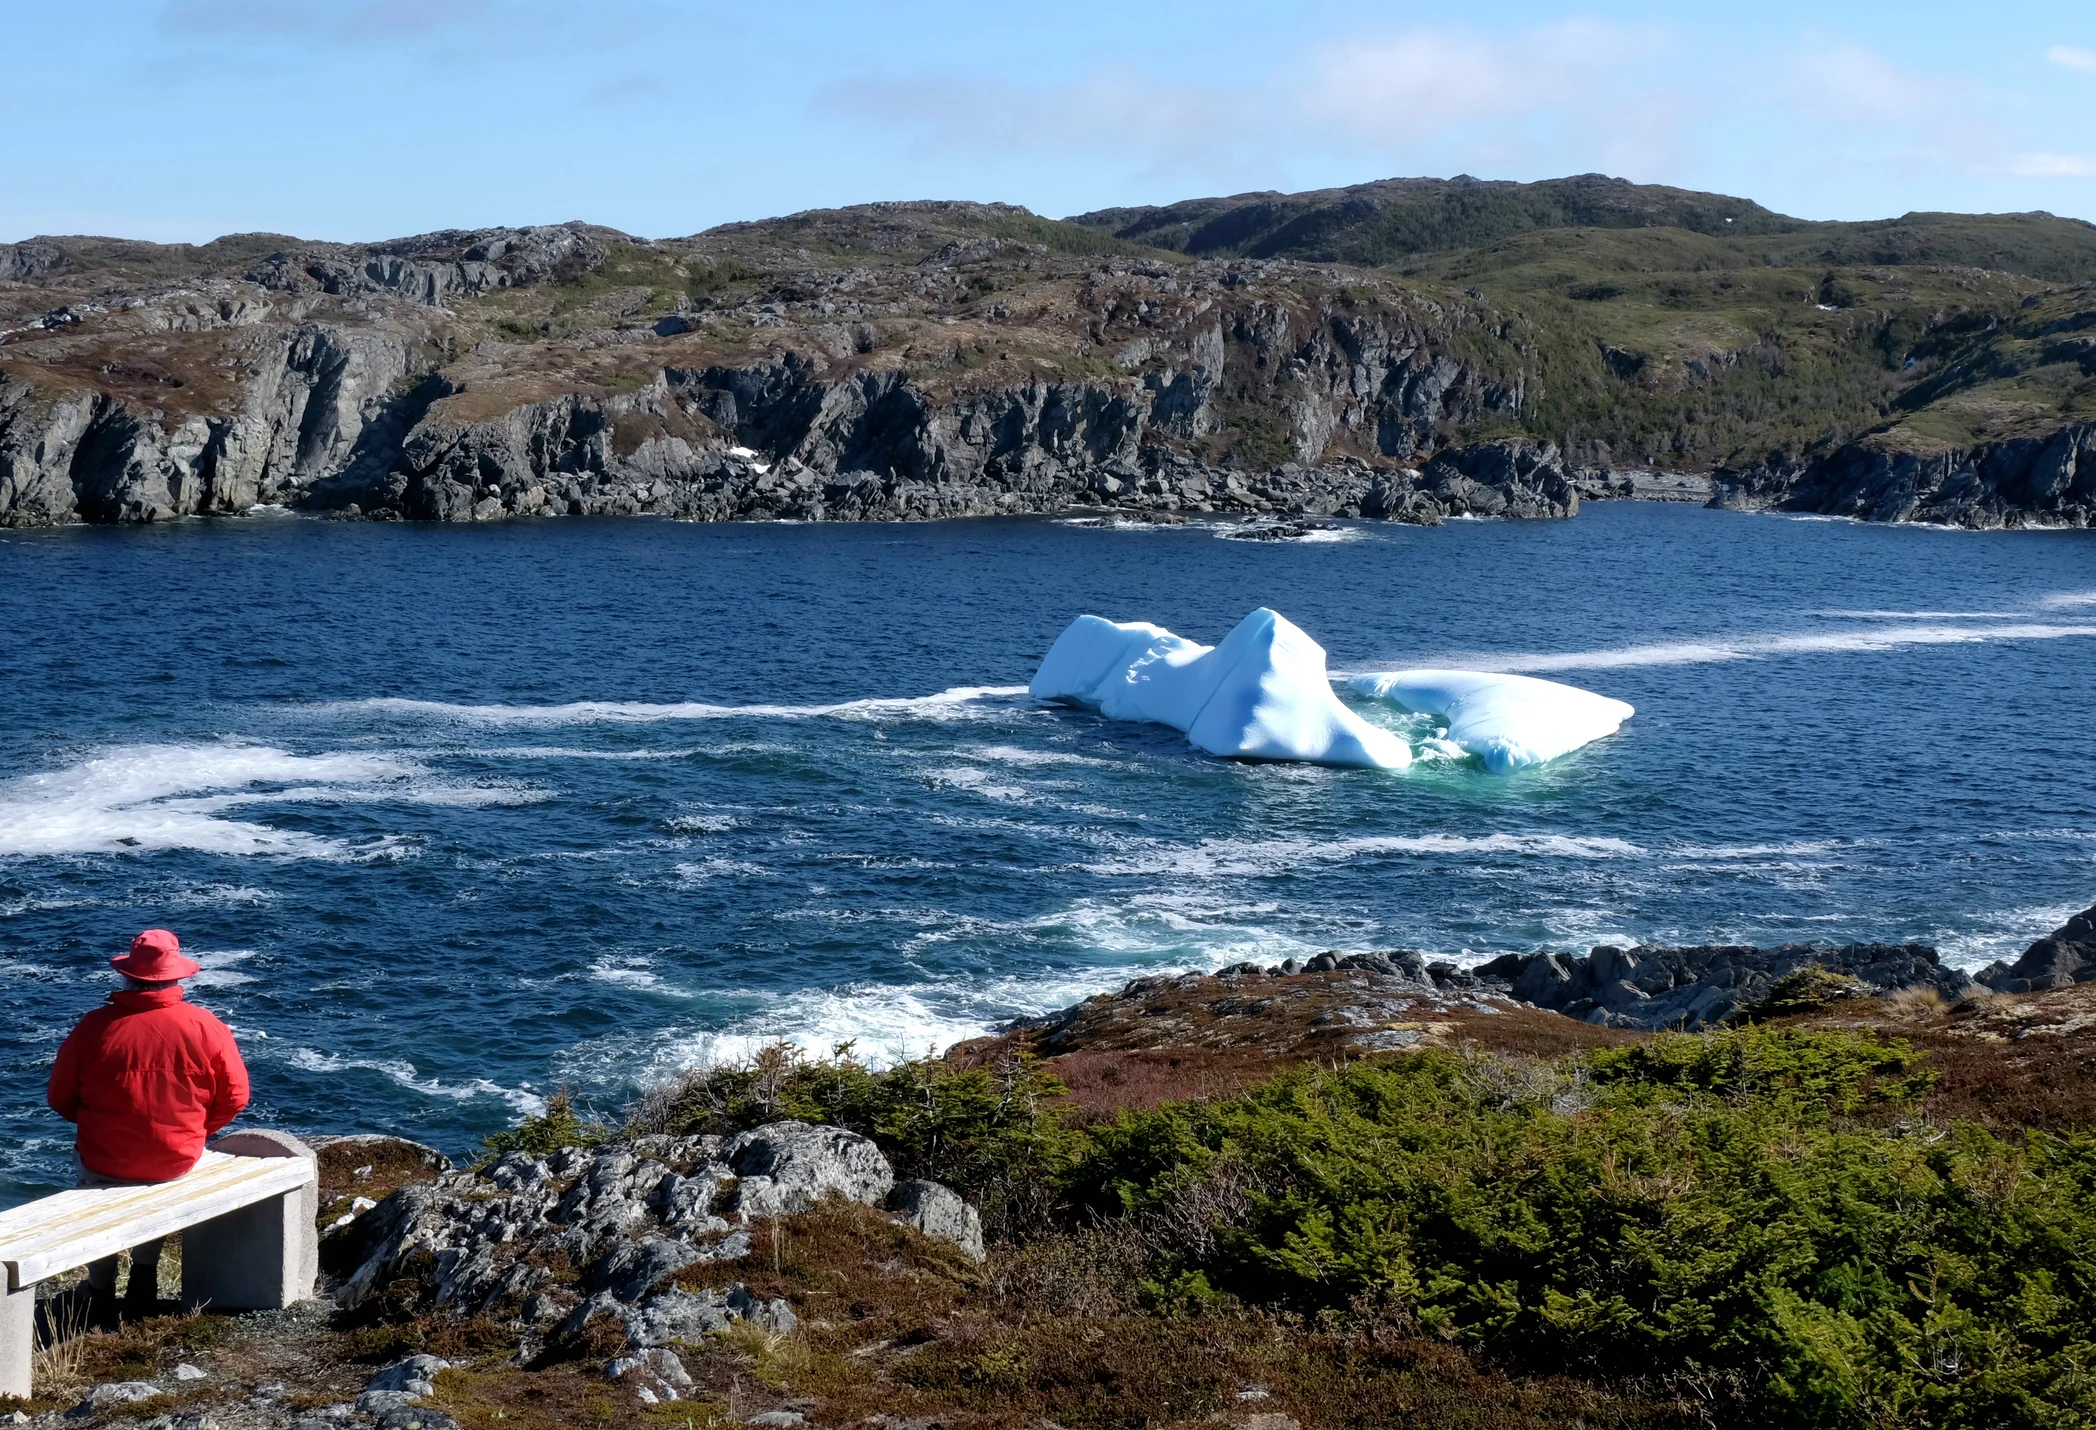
[{"x": 57, "y": 1233}]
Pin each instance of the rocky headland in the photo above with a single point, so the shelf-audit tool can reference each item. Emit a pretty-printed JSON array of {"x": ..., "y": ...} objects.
[
  {"x": 1515, "y": 351},
  {"x": 803, "y": 1271}
]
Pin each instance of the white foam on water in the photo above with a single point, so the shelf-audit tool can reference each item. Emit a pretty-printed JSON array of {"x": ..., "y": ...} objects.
[
  {"x": 702, "y": 824},
  {"x": 1788, "y": 849},
  {"x": 1268, "y": 858},
  {"x": 219, "y": 971},
  {"x": 568, "y": 752},
  {"x": 1716, "y": 650},
  {"x": 978, "y": 782},
  {"x": 522, "y": 1099},
  {"x": 706, "y": 870},
  {"x": 959, "y": 703},
  {"x": 2003, "y": 934},
  {"x": 629, "y": 973},
  {"x": 2068, "y": 600},
  {"x": 1922, "y": 615},
  {"x": 1027, "y": 759},
  {"x": 125, "y": 799},
  {"x": 217, "y": 896}
]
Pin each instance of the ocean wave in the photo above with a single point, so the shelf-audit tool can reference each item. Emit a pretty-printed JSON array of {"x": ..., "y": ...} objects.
[
  {"x": 219, "y": 970},
  {"x": 1268, "y": 858},
  {"x": 125, "y": 799},
  {"x": 1707, "y": 652},
  {"x": 959, "y": 703},
  {"x": 522, "y": 1099}
]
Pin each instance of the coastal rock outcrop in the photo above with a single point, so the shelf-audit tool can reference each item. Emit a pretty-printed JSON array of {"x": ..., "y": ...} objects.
[
  {"x": 2063, "y": 957},
  {"x": 1704, "y": 985},
  {"x": 621, "y": 1234},
  {"x": 2047, "y": 481}
]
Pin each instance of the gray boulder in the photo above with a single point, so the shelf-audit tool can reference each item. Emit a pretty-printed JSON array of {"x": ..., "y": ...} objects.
[
  {"x": 938, "y": 1211},
  {"x": 630, "y": 1269},
  {"x": 414, "y": 1376},
  {"x": 112, "y": 1394},
  {"x": 786, "y": 1167}
]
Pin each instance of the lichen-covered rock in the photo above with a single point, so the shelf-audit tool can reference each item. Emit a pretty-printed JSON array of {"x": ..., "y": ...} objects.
[
  {"x": 786, "y": 1167},
  {"x": 938, "y": 1211}
]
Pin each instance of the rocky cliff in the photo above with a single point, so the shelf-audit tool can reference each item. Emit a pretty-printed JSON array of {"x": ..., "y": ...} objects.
[
  {"x": 2020, "y": 482},
  {"x": 505, "y": 373},
  {"x": 898, "y": 361}
]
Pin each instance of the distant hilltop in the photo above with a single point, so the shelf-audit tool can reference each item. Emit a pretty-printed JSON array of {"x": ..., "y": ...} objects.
[{"x": 1318, "y": 353}]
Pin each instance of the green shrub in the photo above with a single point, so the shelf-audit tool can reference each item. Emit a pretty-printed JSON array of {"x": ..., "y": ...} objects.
[
  {"x": 559, "y": 1126},
  {"x": 1697, "y": 1208},
  {"x": 1802, "y": 990}
]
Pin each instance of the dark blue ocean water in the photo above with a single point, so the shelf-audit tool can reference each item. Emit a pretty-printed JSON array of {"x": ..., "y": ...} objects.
[{"x": 457, "y": 815}]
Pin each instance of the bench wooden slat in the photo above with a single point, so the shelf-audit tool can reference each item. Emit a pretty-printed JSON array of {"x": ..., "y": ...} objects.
[{"x": 69, "y": 1229}]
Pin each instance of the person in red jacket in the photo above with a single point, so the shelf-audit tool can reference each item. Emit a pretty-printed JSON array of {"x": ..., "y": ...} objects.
[{"x": 146, "y": 1080}]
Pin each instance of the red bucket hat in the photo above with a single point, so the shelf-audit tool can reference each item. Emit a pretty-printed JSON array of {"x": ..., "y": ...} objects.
[{"x": 155, "y": 957}]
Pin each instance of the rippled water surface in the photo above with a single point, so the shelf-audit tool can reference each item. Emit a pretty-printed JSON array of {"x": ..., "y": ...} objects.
[{"x": 456, "y": 815}]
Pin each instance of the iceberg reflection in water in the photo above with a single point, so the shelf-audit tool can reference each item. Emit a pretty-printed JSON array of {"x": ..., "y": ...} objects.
[{"x": 1264, "y": 694}]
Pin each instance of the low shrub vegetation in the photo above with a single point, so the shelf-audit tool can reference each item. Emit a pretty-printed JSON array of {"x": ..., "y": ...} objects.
[{"x": 1759, "y": 1222}]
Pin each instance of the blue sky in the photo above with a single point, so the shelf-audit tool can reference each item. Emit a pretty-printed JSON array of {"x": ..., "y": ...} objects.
[{"x": 345, "y": 119}]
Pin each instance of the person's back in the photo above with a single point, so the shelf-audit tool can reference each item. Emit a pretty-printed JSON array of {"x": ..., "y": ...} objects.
[{"x": 146, "y": 1080}]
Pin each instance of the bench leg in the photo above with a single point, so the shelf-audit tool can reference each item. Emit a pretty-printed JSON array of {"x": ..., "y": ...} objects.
[
  {"x": 261, "y": 1257},
  {"x": 17, "y": 1337}
]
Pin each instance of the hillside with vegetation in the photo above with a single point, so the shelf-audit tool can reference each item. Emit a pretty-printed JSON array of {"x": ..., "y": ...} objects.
[{"x": 1262, "y": 354}]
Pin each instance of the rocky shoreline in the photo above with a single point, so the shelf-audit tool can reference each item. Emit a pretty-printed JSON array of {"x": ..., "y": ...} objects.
[{"x": 658, "y": 1269}]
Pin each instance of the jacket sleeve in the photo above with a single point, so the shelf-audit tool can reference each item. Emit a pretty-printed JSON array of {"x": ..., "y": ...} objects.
[
  {"x": 231, "y": 1093},
  {"x": 64, "y": 1094}
]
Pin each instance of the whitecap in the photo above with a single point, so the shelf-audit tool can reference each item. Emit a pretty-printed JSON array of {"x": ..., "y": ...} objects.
[
  {"x": 958, "y": 703},
  {"x": 124, "y": 799},
  {"x": 219, "y": 971},
  {"x": 403, "y": 1072},
  {"x": 1760, "y": 647},
  {"x": 1271, "y": 858}
]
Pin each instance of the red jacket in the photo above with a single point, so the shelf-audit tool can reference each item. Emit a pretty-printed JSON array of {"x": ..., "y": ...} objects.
[{"x": 147, "y": 1079}]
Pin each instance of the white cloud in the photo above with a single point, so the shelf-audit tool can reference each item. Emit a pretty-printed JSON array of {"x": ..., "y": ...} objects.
[
  {"x": 1427, "y": 98},
  {"x": 2068, "y": 57},
  {"x": 1850, "y": 83},
  {"x": 1427, "y": 81},
  {"x": 2054, "y": 166}
]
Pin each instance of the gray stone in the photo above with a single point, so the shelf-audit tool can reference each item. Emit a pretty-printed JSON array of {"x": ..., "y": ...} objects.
[
  {"x": 786, "y": 1167},
  {"x": 938, "y": 1211},
  {"x": 414, "y": 1376},
  {"x": 415, "y": 1417},
  {"x": 114, "y": 1393},
  {"x": 773, "y": 1315},
  {"x": 631, "y": 1269},
  {"x": 779, "y": 1419},
  {"x": 677, "y": 1316},
  {"x": 186, "y": 1371}
]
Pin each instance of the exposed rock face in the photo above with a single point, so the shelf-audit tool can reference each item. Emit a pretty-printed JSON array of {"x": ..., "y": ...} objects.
[
  {"x": 2065, "y": 956},
  {"x": 630, "y": 1217},
  {"x": 1701, "y": 986},
  {"x": 2023, "y": 482},
  {"x": 396, "y": 380}
]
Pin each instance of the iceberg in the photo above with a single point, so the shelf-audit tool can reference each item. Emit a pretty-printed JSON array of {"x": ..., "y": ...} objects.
[
  {"x": 1507, "y": 721},
  {"x": 1263, "y": 694}
]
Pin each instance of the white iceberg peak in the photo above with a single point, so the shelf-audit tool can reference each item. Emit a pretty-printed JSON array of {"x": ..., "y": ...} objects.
[
  {"x": 1508, "y": 721},
  {"x": 1263, "y": 694}
]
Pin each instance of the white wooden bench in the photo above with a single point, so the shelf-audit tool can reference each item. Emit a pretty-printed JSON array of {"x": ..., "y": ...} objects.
[{"x": 245, "y": 1212}]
